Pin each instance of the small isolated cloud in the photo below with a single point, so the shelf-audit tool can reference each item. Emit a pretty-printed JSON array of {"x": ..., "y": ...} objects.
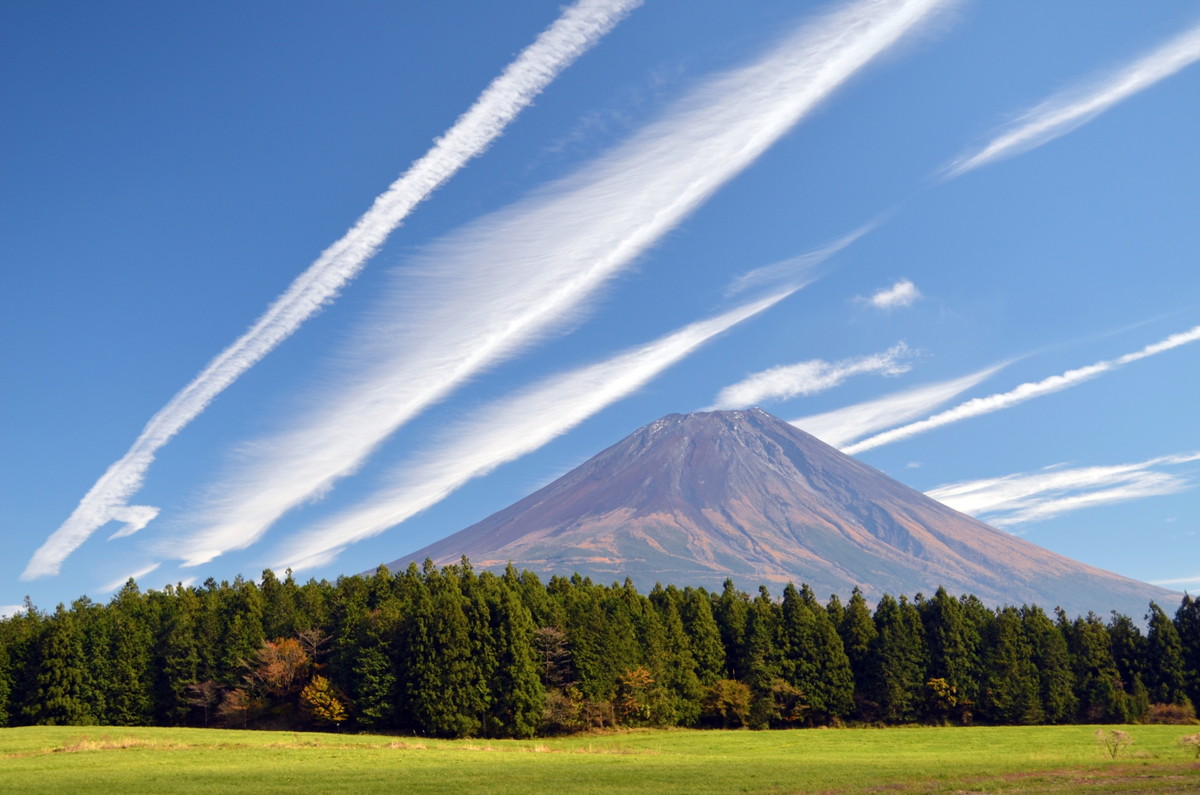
[
  {"x": 810, "y": 377},
  {"x": 1053, "y": 491},
  {"x": 913, "y": 465},
  {"x": 136, "y": 575},
  {"x": 7, "y": 611},
  {"x": 900, "y": 295},
  {"x": 844, "y": 425}
]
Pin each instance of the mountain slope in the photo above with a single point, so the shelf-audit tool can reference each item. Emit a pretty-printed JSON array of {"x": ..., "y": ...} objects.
[{"x": 693, "y": 499}]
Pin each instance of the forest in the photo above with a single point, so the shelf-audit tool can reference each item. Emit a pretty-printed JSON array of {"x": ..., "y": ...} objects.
[{"x": 451, "y": 652}]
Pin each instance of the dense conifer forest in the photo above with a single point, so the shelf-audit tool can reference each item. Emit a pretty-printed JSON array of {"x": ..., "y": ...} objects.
[{"x": 455, "y": 653}]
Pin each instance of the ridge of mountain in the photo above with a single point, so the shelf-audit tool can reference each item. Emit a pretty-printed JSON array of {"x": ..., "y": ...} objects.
[{"x": 693, "y": 499}]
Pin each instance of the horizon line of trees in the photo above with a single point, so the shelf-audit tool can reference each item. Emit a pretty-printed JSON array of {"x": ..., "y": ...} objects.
[{"x": 455, "y": 653}]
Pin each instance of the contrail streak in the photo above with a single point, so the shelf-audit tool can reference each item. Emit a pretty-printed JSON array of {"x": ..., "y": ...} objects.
[
  {"x": 579, "y": 27},
  {"x": 513, "y": 277},
  {"x": 844, "y": 425},
  {"x": 505, "y": 431},
  {"x": 1062, "y": 113},
  {"x": 1024, "y": 392}
]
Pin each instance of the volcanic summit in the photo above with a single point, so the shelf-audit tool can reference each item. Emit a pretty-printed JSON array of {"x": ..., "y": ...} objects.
[{"x": 693, "y": 499}]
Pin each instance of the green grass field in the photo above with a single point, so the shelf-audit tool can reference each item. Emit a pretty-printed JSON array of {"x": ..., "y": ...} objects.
[{"x": 988, "y": 759}]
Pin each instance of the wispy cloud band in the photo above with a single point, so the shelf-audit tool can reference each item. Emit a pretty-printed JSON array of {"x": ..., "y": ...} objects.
[
  {"x": 504, "y": 431},
  {"x": 133, "y": 575},
  {"x": 1027, "y": 391},
  {"x": 844, "y": 425},
  {"x": 810, "y": 377},
  {"x": 577, "y": 29},
  {"x": 1060, "y": 114},
  {"x": 1030, "y": 497},
  {"x": 795, "y": 269},
  {"x": 486, "y": 294}
]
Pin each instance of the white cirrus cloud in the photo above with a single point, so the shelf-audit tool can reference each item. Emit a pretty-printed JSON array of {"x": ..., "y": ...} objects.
[
  {"x": 1179, "y": 581},
  {"x": 810, "y": 377},
  {"x": 844, "y": 425},
  {"x": 1027, "y": 391},
  {"x": 503, "y": 431},
  {"x": 576, "y": 30},
  {"x": 1064, "y": 112},
  {"x": 900, "y": 295},
  {"x": 135, "y": 575},
  {"x": 796, "y": 268},
  {"x": 1034, "y": 496},
  {"x": 487, "y": 293}
]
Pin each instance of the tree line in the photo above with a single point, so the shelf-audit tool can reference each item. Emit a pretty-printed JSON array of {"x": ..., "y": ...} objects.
[{"x": 455, "y": 653}]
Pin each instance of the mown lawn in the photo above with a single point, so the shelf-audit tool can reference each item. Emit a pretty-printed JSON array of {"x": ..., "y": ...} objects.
[{"x": 990, "y": 759}]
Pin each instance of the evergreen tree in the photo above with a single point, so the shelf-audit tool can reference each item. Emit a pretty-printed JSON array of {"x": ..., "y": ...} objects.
[
  {"x": 731, "y": 609},
  {"x": 64, "y": 694},
  {"x": 517, "y": 698},
  {"x": 708, "y": 651},
  {"x": 17, "y": 634},
  {"x": 372, "y": 676},
  {"x": 543, "y": 611},
  {"x": 1097, "y": 682},
  {"x": 127, "y": 691},
  {"x": 858, "y": 633},
  {"x": 1187, "y": 624},
  {"x": 762, "y": 663},
  {"x": 209, "y": 626},
  {"x": 483, "y": 644},
  {"x": 1010, "y": 679},
  {"x": 352, "y": 641},
  {"x": 953, "y": 646},
  {"x": 95, "y": 626},
  {"x": 241, "y": 623},
  {"x": 1128, "y": 647},
  {"x": 180, "y": 656},
  {"x": 815, "y": 661},
  {"x": 835, "y": 610},
  {"x": 281, "y": 613},
  {"x": 896, "y": 661},
  {"x": 601, "y": 639},
  {"x": 678, "y": 670},
  {"x": 445, "y": 691},
  {"x": 1166, "y": 673},
  {"x": 1052, "y": 661},
  {"x": 21, "y": 637}
]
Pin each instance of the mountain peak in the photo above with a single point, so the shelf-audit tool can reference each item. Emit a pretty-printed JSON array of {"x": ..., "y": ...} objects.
[{"x": 693, "y": 499}]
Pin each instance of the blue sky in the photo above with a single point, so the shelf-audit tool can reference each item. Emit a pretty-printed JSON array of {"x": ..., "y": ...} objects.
[{"x": 955, "y": 239}]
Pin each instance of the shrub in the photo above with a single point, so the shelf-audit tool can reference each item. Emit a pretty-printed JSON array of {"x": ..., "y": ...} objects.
[
  {"x": 1172, "y": 714},
  {"x": 1113, "y": 740},
  {"x": 726, "y": 704}
]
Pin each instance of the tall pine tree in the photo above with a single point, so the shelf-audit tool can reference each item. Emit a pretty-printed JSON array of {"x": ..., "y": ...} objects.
[{"x": 1166, "y": 672}]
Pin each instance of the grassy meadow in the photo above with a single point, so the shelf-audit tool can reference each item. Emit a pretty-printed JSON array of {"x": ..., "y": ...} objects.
[{"x": 1006, "y": 759}]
